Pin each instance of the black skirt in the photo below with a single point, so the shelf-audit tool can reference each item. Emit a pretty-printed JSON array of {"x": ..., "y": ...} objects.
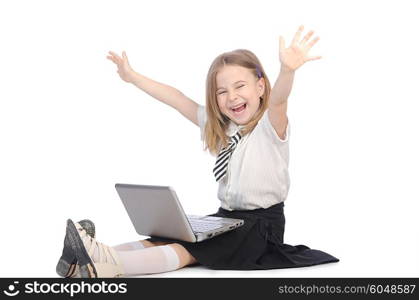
[{"x": 256, "y": 245}]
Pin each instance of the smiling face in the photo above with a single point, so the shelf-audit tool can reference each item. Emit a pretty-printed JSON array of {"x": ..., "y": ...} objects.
[{"x": 238, "y": 91}]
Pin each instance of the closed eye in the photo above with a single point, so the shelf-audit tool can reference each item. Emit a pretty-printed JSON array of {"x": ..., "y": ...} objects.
[{"x": 240, "y": 86}]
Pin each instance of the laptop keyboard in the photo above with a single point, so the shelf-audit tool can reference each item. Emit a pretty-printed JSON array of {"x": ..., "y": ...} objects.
[{"x": 199, "y": 226}]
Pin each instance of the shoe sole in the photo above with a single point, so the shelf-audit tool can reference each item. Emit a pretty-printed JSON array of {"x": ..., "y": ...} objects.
[
  {"x": 86, "y": 267},
  {"x": 67, "y": 263}
]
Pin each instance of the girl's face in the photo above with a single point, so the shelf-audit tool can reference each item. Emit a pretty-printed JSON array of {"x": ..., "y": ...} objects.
[{"x": 238, "y": 92}]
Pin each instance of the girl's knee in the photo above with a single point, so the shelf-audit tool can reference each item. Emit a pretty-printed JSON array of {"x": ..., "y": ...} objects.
[
  {"x": 148, "y": 244},
  {"x": 185, "y": 258}
]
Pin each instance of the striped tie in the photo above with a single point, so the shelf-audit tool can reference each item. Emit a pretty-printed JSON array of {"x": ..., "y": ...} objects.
[{"x": 220, "y": 169}]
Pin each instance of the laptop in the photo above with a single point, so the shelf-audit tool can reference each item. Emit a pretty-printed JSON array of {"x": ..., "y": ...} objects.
[{"x": 156, "y": 211}]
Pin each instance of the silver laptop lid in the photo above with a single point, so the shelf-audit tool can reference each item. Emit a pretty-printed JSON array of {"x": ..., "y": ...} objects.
[{"x": 155, "y": 211}]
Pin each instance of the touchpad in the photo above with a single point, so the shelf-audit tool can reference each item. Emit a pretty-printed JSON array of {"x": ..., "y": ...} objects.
[{"x": 210, "y": 218}]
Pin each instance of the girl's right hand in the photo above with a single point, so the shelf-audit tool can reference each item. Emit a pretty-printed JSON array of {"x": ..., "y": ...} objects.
[{"x": 124, "y": 69}]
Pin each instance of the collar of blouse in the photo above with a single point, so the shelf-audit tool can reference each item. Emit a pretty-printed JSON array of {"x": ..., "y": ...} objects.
[{"x": 232, "y": 128}]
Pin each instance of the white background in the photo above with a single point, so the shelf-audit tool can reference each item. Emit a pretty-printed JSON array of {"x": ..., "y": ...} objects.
[{"x": 71, "y": 128}]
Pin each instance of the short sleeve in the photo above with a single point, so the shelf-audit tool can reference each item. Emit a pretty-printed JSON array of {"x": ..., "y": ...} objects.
[
  {"x": 202, "y": 119},
  {"x": 267, "y": 127}
]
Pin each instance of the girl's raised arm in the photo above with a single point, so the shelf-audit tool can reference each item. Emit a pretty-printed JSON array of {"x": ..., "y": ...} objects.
[{"x": 162, "y": 92}]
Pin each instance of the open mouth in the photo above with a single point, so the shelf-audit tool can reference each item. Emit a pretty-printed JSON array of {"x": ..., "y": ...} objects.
[{"x": 239, "y": 110}]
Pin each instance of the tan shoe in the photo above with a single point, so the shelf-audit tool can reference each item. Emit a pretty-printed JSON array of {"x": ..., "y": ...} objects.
[
  {"x": 106, "y": 264},
  {"x": 67, "y": 264}
]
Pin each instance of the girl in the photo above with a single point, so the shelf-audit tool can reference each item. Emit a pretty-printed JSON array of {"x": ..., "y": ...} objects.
[{"x": 245, "y": 125}]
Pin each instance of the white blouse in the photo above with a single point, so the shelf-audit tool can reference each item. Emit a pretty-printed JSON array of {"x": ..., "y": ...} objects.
[{"x": 257, "y": 174}]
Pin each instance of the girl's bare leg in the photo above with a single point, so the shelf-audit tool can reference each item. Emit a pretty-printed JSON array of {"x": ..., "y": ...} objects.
[
  {"x": 185, "y": 258},
  {"x": 148, "y": 244}
]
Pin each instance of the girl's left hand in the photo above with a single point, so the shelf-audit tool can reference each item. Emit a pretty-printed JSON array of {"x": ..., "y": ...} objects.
[{"x": 296, "y": 54}]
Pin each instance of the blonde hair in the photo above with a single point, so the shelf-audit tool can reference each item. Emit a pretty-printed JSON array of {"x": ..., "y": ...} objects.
[{"x": 215, "y": 137}]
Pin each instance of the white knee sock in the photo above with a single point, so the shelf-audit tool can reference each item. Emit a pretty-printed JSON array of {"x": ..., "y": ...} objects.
[
  {"x": 149, "y": 260},
  {"x": 129, "y": 246}
]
